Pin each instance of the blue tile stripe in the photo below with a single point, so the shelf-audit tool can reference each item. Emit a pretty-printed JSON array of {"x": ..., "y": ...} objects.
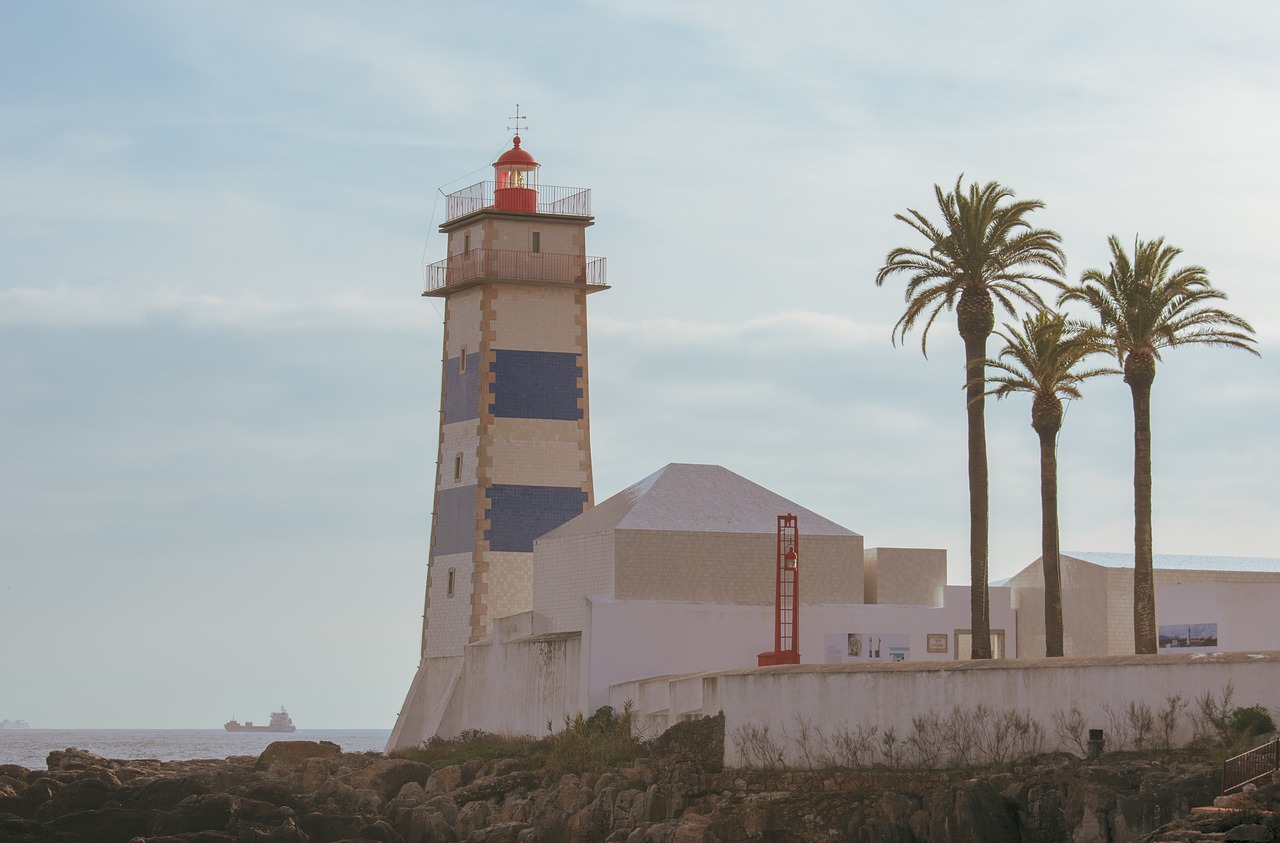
[
  {"x": 536, "y": 385},
  {"x": 462, "y": 389},
  {"x": 519, "y": 514}
]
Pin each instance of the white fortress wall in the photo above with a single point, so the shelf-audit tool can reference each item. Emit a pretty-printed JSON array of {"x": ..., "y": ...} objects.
[
  {"x": 836, "y": 698},
  {"x": 517, "y": 681},
  {"x": 625, "y": 640}
]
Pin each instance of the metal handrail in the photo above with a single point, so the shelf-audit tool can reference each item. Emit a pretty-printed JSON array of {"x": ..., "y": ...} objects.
[
  {"x": 573, "y": 201},
  {"x": 1250, "y": 766},
  {"x": 518, "y": 266}
]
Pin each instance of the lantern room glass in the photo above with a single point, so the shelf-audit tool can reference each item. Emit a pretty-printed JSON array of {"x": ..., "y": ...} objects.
[{"x": 517, "y": 176}]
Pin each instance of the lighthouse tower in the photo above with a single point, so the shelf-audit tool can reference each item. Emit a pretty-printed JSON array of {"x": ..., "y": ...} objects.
[{"x": 514, "y": 444}]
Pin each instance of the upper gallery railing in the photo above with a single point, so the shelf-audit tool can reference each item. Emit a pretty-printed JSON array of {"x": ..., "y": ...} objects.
[
  {"x": 519, "y": 266},
  {"x": 575, "y": 201}
]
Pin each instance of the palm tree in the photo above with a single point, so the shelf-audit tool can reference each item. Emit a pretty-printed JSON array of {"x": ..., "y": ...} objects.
[
  {"x": 1043, "y": 359},
  {"x": 983, "y": 252},
  {"x": 1145, "y": 306}
]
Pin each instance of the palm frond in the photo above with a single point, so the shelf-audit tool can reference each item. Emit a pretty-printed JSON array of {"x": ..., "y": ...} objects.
[
  {"x": 1042, "y": 356},
  {"x": 1142, "y": 303},
  {"x": 984, "y": 241}
]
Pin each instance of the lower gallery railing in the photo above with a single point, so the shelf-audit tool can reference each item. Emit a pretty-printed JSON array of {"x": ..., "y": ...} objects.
[{"x": 524, "y": 266}]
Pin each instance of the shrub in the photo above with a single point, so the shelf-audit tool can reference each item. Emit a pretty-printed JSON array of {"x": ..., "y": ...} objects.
[
  {"x": 853, "y": 746},
  {"x": 1250, "y": 722},
  {"x": 1141, "y": 722},
  {"x": 927, "y": 740},
  {"x": 1219, "y": 723},
  {"x": 1070, "y": 729},
  {"x": 603, "y": 741},
  {"x": 891, "y": 748},
  {"x": 1212, "y": 716},
  {"x": 1168, "y": 716},
  {"x": 757, "y": 748}
]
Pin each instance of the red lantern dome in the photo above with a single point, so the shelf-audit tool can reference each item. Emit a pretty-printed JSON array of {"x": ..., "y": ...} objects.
[{"x": 516, "y": 180}]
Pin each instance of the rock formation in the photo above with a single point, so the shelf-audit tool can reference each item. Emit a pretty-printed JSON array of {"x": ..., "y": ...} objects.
[{"x": 306, "y": 792}]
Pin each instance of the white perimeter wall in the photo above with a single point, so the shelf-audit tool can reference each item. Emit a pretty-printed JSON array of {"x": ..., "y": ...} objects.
[
  {"x": 835, "y": 697},
  {"x": 632, "y": 639}
]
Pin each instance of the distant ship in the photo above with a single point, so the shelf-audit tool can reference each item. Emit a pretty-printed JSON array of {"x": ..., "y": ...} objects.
[
  {"x": 15, "y": 724},
  {"x": 280, "y": 722}
]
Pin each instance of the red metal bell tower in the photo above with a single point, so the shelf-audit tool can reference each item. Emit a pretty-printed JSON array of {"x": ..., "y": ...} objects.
[{"x": 786, "y": 616}]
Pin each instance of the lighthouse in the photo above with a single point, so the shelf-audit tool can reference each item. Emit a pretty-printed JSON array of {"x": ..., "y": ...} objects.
[{"x": 514, "y": 444}]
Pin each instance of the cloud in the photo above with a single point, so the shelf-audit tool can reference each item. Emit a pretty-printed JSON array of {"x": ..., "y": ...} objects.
[
  {"x": 785, "y": 330},
  {"x": 65, "y": 305}
]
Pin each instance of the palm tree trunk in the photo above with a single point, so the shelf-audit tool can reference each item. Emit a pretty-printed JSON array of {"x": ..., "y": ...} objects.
[
  {"x": 1049, "y": 552},
  {"x": 1144, "y": 592},
  {"x": 975, "y": 352}
]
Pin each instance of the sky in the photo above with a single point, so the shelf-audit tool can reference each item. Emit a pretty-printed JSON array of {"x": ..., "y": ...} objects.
[{"x": 219, "y": 383}]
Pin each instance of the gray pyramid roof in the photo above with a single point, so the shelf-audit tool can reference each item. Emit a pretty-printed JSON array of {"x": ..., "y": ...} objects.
[{"x": 696, "y": 498}]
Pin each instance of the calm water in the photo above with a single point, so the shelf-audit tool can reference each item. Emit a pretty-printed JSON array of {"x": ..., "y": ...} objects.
[{"x": 30, "y": 747}]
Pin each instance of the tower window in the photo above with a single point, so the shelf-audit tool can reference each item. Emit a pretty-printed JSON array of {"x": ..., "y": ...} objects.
[
  {"x": 466, "y": 242},
  {"x": 462, "y": 360},
  {"x": 449, "y": 584},
  {"x": 536, "y": 242},
  {"x": 457, "y": 468}
]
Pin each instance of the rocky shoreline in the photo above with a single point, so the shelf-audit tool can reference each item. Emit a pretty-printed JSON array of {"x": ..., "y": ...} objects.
[{"x": 309, "y": 792}]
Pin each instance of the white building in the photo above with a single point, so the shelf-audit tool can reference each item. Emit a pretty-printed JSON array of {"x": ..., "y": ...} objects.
[
  {"x": 675, "y": 575},
  {"x": 1203, "y": 603}
]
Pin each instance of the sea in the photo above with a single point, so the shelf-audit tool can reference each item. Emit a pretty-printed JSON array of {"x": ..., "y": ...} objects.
[{"x": 30, "y": 747}]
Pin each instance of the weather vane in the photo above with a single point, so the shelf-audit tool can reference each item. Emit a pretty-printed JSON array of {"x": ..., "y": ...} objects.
[{"x": 517, "y": 127}]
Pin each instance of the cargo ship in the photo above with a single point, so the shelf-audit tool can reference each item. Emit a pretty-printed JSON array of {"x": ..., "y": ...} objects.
[
  {"x": 280, "y": 722},
  {"x": 14, "y": 724}
]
